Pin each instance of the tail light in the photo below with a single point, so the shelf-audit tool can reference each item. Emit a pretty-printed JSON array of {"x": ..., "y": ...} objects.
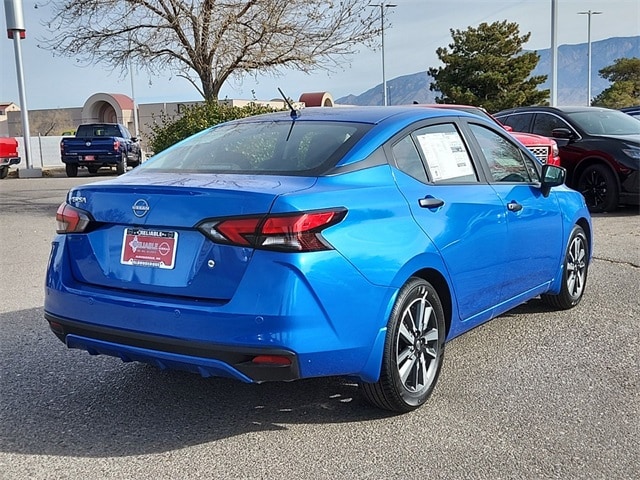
[
  {"x": 71, "y": 220},
  {"x": 293, "y": 232},
  {"x": 116, "y": 145}
]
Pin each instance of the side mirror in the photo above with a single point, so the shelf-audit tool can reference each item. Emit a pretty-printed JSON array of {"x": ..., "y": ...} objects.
[
  {"x": 563, "y": 133},
  {"x": 552, "y": 176}
]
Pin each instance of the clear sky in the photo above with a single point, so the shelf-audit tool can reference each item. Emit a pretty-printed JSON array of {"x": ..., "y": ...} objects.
[{"x": 413, "y": 31}]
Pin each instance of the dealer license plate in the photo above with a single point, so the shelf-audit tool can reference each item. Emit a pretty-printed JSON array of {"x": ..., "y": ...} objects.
[
  {"x": 149, "y": 248},
  {"x": 89, "y": 157}
]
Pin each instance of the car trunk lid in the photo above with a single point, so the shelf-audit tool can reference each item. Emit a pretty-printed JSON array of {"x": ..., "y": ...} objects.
[{"x": 143, "y": 236}]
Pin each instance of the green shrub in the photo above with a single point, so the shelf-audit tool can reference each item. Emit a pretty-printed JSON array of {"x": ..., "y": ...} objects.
[{"x": 168, "y": 130}]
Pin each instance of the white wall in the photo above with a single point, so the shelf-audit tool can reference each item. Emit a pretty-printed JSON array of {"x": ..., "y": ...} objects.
[{"x": 45, "y": 152}]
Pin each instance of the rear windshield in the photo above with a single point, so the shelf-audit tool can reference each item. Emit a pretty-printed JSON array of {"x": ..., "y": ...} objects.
[
  {"x": 262, "y": 147},
  {"x": 98, "y": 131}
]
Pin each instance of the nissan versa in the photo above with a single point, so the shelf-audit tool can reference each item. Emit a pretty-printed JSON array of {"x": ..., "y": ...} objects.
[{"x": 327, "y": 241}]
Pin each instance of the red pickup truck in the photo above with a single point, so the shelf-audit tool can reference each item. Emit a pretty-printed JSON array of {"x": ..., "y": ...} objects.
[{"x": 8, "y": 155}]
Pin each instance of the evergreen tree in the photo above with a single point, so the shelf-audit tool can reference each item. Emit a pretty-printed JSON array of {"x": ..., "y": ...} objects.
[
  {"x": 485, "y": 67},
  {"x": 624, "y": 91}
]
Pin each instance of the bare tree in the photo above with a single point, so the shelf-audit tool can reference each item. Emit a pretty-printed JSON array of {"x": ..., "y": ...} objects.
[{"x": 209, "y": 41}]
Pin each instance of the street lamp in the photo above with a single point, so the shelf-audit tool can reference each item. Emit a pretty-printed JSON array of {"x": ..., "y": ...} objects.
[
  {"x": 554, "y": 53},
  {"x": 383, "y": 6},
  {"x": 17, "y": 31},
  {"x": 589, "y": 13}
]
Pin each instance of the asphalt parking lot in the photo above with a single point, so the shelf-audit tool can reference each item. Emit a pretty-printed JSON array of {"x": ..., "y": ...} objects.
[{"x": 532, "y": 394}]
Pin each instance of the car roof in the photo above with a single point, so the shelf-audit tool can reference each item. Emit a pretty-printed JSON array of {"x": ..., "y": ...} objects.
[
  {"x": 562, "y": 109},
  {"x": 371, "y": 114}
]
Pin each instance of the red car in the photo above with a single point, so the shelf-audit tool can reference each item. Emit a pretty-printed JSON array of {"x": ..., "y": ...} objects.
[
  {"x": 8, "y": 155},
  {"x": 545, "y": 149}
]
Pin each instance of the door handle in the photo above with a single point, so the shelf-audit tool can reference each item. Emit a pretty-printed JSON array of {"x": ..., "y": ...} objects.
[
  {"x": 514, "y": 206},
  {"x": 430, "y": 202}
]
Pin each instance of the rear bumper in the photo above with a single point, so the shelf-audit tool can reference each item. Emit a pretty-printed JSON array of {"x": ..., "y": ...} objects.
[
  {"x": 105, "y": 159},
  {"x": 276, "y": 310},
  {"x": 206, "y": 359}
]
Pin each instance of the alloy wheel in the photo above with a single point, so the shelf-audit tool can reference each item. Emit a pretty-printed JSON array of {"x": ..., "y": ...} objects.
[{"x": 417, "y": 346}]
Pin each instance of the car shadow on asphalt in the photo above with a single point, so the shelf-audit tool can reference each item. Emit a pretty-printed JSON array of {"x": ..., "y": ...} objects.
[
  {"x": 621, "y": 211},
  {"x": 56, "y": 401}
]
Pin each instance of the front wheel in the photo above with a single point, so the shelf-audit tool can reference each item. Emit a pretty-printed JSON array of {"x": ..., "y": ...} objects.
[
  {"x": 574, "y": 275},
  {"x": 4, "y": 171},
  {"x": 599, "y": 187},
  {"x": 122, "y": 166},
  {"x": 413, "y": 351}
]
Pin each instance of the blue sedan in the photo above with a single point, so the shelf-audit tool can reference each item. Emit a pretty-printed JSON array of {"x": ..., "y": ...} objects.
[{"x": 327, "y": 241}]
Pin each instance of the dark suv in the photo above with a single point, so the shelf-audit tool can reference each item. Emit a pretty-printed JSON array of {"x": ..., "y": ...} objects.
[{"x": 599, "y": 147}]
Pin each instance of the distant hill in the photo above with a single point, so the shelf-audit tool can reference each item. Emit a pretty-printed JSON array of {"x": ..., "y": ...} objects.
[{"x": 572, "y": 75}]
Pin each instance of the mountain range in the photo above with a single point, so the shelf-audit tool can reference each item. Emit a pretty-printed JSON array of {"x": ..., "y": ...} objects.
[{"x": 572, "y": 75}]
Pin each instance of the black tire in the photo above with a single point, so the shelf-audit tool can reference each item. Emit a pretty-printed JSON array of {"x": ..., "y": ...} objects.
[
  {"x": 574, "y": 274},
  {"x": 122, "y": 166},
  {"x": 93, "y": 169},
  {"x": 71, "y": 169},
  {"x": 599, "y": 187},
  {"x": 413, "y": 350},
  {"x": 137, "y": 161},
  {"x": 4, "y": 171}
]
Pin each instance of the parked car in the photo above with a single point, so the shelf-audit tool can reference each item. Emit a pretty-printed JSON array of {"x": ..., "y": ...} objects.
[
  {"x": 633, "y": 111},
  {"x": 331, "y": 241},
  {"x": 8, "y": 155},
  {"x": 97, "y": 145},
  {"x": 599, "y": 147},
  {"x": 545, "y": 149}
]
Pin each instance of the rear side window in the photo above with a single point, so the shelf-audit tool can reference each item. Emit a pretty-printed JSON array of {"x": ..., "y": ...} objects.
[
  {"x": 267, "y": 147},
  {"x": 520, "y": 122},
  {"x": 408, "y": 159},
  {"x": 446, "y": 154}
]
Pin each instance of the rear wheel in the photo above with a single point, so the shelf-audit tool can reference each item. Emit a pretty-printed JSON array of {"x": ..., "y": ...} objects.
[
  {"x": 413, "y": 352},
  {"x": 71, "y": 169},
  {"x": 599, "y": 187},
  {"x": 574, "y": 275},
  {"x": 4, "y": 171},
  {"x": 122, "y": 166}
]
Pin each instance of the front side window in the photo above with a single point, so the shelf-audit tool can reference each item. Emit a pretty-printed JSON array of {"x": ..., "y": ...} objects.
[
  {"x": 261, "y": 147},
  {"x": 506, "y": 161}
]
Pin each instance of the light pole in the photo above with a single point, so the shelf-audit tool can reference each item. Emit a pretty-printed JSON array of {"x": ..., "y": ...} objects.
[
  {"x": 554, "y": 53},
  {"x": 17, "y": 31},
  {"x": 383, "y": 6},
  {"x": 589, "y": 13}
]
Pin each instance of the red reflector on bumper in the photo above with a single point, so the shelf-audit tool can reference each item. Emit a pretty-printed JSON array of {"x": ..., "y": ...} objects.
[
  {"x": 56, "y": 327},
  {"x": 272, "y": 360}
]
